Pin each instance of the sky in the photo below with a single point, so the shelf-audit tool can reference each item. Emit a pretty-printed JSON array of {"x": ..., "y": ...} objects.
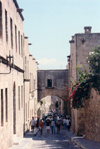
[{"x": 50, "y": 24}]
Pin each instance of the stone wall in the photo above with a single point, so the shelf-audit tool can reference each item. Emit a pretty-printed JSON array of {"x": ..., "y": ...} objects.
[
  {"x": 59, "y": 83},
  {"x": 59, "y": 86},
  {"x": 11, "y": 125},
  {"x": 80, "y": 46},
  {"x": 92, "y": 116},
  {"x": 15, "y": 102},
  {"x": 78, "y": 121},
  {"x": 86, "y": 121}
]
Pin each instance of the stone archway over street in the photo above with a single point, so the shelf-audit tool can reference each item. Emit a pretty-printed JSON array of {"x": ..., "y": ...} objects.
[{"x": 53, "y": 83}]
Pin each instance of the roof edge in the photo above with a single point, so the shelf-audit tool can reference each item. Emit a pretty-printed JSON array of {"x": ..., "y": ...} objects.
[{"x": 17, "y": 6}]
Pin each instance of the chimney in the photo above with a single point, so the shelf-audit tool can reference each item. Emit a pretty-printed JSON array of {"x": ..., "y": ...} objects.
[{"x": 87, "y": 29}]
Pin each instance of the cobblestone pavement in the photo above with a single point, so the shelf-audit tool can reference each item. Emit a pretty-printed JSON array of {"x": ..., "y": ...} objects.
[{"x": 49, "y": 141}]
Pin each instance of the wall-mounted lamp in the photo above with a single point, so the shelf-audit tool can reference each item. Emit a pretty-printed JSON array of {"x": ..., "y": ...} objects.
[{"x": 8, "y": 61}]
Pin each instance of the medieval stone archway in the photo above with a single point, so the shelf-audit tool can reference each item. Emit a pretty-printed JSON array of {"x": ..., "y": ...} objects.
[{"x": 53, "y": 83}]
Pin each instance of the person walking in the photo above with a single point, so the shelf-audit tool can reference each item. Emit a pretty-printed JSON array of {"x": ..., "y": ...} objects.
[
  {"x": 53, "y": 126},
  {"x": 58, "y": 126},
  {"x": 68, "y": 123},
  {"x": 32, "y": 123},
  {"x": 37, "y": 123},
  {"x": 41, "y": 126},
  {"x": 64, "y": 122},
  {"x": 48, "y": 123}
]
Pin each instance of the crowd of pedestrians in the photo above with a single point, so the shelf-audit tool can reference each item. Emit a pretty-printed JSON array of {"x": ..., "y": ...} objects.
[{"x": 51, "y": 123}]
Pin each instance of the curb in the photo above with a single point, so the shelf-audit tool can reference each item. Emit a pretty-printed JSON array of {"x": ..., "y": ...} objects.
[{"x": 76, "y": 142}]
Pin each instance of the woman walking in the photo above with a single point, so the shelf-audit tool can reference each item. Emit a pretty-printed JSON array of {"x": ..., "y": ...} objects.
[
  {"x": 41, "y": 125},
  {"x": 48, "y": 123}
]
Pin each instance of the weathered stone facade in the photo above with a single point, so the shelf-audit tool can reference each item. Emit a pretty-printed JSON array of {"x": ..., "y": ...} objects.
[
  {"x": 30, "y": 86},
  {"x": 11, "y": 84},
  {"x": 14, "y": 88},
  {"x": 53, "y": 83},
  {"x": 92, "y": 116},
  {"x": 78, "y": 121},
  {"x": 84, "y": 120},
  {"x": 80, "y": 46}
]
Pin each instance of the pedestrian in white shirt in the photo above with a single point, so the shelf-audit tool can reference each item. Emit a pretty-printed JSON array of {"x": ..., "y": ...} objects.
[
  {"x": 68, "y": 123},
  {"x": 64, "y": 123},
  {"x": 53, "y": 126}
]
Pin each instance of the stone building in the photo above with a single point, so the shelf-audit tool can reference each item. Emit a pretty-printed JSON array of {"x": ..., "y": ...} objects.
[
  {"x": 33, "y": 101},
  {"x": 80, "y": 46},
  {"x": 30, "y": 85},
  {"x": 16, "y": 65},
  {"x": 11, "y": 73},
  {"x": 84, "y": 120},
  {"x": 53, "y": 83}
]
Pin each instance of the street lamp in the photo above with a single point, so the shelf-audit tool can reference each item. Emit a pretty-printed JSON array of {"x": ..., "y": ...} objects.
[{"x": 8, "y": 61}]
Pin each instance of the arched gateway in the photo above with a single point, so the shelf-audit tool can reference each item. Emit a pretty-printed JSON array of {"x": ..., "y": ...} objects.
[{"x": 53, "y": 83}]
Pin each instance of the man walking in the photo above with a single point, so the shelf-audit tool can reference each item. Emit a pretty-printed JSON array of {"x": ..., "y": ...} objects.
[{"x": 53, "y": 126}]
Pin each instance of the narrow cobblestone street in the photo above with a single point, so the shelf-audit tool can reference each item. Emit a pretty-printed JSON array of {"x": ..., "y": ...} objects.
[{"x": 49, "y": 141}]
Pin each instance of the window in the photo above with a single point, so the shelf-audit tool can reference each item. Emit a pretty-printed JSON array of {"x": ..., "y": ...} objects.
[
  {"x": 19, "y": 41},
  {"x": 22, "y": 96},
  {"x": 26, "y": 111},
  {"x": 2, "y": 109},
  {"x": 6, "y": 104},
  {"x": 30, "y": 83},
  {"x": 0, "y": 20},
  {"x": 6, "y": 26},
  {"x": 19, "y": 97},
  {"x": 49, "y": 83},
  {"x": 16, "y": 37},
  {"x": 21, "y": 45},
  {"x": 11, "y": 32}
]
